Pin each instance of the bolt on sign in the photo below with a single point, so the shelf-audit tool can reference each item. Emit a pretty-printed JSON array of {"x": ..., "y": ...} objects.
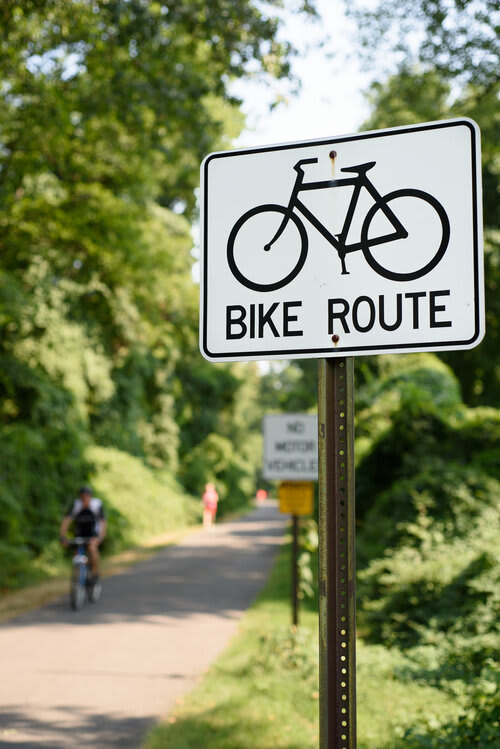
[
  {"x": 290, "y": 447},
  {"x": 362, "y": 244},
  {"x": 296, "y": 497}
]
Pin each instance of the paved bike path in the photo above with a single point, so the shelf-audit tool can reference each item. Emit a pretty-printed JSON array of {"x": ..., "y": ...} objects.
[{"x": 102, "y": 676}]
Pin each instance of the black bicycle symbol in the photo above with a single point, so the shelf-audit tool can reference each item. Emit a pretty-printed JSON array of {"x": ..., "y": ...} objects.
[{"x": 286, "y": 217}]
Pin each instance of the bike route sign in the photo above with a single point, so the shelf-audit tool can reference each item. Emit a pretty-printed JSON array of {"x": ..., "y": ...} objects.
[{"x": 360, "y": 244}]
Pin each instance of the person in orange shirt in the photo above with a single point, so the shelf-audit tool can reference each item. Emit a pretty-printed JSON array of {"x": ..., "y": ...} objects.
[{"x": 209, "y": 499}]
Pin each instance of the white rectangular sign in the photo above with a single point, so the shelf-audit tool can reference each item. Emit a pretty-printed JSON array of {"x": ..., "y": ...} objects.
[
  {"x": 290, "y": 447},
  {"x": 361, "y": 244}
]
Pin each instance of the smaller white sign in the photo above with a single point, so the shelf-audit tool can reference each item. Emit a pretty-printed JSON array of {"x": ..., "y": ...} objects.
[{"x": 290, "y": 447}]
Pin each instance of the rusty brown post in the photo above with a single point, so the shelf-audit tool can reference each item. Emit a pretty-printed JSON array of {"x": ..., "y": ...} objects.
[
  {"x": 295, "y": 571},
  {"x": 337, "y": 571}
]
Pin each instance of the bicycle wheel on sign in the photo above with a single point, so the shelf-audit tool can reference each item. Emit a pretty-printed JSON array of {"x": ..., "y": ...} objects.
[
  {"x": 427, "y": 230},
  {"x": 258, "y": 262}
]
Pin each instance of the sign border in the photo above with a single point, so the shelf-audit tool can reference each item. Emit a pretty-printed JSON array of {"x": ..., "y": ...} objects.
[{"x": 338, "y": 350}]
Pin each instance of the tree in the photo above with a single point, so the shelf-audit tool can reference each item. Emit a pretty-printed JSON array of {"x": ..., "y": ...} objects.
[
  {"x": 457, "y": 38},
  {"x": 107, "y": 108},
  {"x": 413, "y": 96}
]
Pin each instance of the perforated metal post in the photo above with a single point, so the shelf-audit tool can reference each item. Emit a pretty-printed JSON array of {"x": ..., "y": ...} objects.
[
  {"x": 337, "y": 554},
  {"x": 295, "y": 571}
]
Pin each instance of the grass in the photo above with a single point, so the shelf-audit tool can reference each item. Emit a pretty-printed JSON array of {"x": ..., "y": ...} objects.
[
  {"x": 388, "y": 703},
  {"x": 263, "y": 690}
]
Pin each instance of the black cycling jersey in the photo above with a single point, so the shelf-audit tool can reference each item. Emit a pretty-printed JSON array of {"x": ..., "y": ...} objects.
[{"x": 87, "y": 519}]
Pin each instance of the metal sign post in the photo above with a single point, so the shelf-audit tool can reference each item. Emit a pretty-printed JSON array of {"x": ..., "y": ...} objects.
[
  {"x": 295, "y": 571},
  {"x": 394, "y": 264},
  {"x": 337, "y": 554},
  {"x": 296, "y": 498}
]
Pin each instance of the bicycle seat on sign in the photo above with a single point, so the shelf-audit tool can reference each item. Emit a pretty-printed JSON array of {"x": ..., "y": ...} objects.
[
  {"x": 299, "y": 164},
  {"x": 359, "y": 168}
]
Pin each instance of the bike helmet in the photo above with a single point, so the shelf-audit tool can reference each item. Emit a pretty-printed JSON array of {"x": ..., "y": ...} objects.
[{"x": 85, "y": 490}]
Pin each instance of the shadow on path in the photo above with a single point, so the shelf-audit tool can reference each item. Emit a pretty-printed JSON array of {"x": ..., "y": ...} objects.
[
  {"x": 101, "y": 676},
  {"x": 76, "y": 727},
  {"x": 215, "y": 571}
]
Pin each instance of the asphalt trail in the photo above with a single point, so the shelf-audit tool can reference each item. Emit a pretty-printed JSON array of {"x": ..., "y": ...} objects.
[{"x": 102, "y": 676}]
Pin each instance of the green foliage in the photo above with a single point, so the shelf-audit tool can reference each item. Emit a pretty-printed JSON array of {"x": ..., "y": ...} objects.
[
  {"x": 455, "y": 37},
  {"x": 291, "y": 386},
  {"x": 288, "y": 651},
  {"x": 429, "y": 576},
  {"x": 435, "y": 588},
  {"x": 123, "y": 92},
  {"x": 414, "y": 96},
  {"x": 476, "y": 726},
  {"x": 107, "y": 109},
  {"x": 40, "y": 464},
  {"x": 218, "y": 409},
  {"x": 215, "y": 460},
  {"x": 428, "y": 584},
  {"x": 141, "y": 502},
  {"x": 406, "y": 98},
  {"x": 308, "y": 558},
  {"x": 443, "y": 57},
  {"x": 400, "y": 417},
  {"x": 479, "y": 369}
]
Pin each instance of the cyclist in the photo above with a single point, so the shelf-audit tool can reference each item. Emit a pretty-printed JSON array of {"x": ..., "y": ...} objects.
[{"x": 87, "y": 514}]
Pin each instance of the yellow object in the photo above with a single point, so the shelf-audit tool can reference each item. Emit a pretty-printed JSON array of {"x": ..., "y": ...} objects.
[{"x": 296, "y": 497}]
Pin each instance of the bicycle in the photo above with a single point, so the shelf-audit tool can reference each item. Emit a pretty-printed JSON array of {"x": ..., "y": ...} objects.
[
  {"x": 82, "y": 585},
  {"x": 286, "y": 217}
]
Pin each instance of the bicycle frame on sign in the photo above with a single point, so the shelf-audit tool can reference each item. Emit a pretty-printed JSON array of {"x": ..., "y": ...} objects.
[{"x": 339, "y": 240}]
